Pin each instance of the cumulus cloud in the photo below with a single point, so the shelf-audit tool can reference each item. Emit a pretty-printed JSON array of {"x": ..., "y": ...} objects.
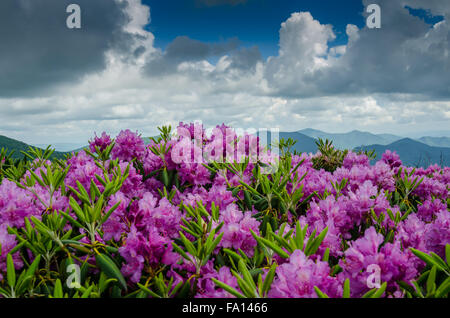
[
  {"x": 405, "y": 56},
  {"x": 303, "y": 51}
]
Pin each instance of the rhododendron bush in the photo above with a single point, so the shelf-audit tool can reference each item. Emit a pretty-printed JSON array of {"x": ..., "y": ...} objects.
[{"x": 221, "y": 216}]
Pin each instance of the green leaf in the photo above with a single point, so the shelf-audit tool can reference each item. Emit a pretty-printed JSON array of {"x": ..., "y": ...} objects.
[
  {"x": 346, "y": 293},
  {"x": 110, "y": 269},
  {"x": 244, "y": 256},
  {"x": 378, "y": 293},
  {"x": 314, "y": 246},
  {"x": 148, "y": 291},
  {"x": 438, "y": 259},
  {"x": 252, "y": 190},
  {"x": 427, "y": 259},
  {"x": 418, "y": 289},
  {"x": 300, "y": 235},
  {"x": 176, "y": 288},
  {"x": 71, "y": 219},
  {"x": 16, "y": 248},
  {"x": 326, "y": 255},
  {"x": 180, "y": 251},
  {"x": 227, "y": 288},
  {"x": 84, "y": 195},
  {"x": 369, "y": 293},
  {"x": 41, "y": 226},
  {"x": 270, "y": 245},
  {"x": 422, "y": 277},
  {"x": 320, "y": 293},
  {"x": 244, "y": 286},
  {"x": 214, "y": 243},
  {"x": 407, "y": 287},
  {"x": 29, "y": 274},
  {"x": 110, "y": 211},
  {"x": 95, "y": 192},
  {"x": 41, "y": 183},
  {"x": 4, "y": 292},
  {"x": 10, "y": 271},
  {"x": 188, "y": 245},
  {"x": 246, "y": 274},
  {"x": 247, "y": 200},
  {"x": 87, "y": 292},
  {"x": 431, "y": 285},
  {"x": 444, "y": 289},
  {"x": 58, "y": 292},
  {"x": 283, "y": 242},
  {"x": 233, "y": 254},
  {"x": 269, "y": 278},
  {"x": 197, "y": 235},
  {"x": 98, "y": 208},
  {"x": 447, "y": 254},
  {"x": 165, "y": 178},
  {"x": 260, "y": 286},
  {"x": 77, "y": 209}
]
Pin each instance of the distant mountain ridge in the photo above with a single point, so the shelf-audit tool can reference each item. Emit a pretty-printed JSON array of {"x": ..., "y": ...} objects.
[
  {"x": 414, "y": 153},
  {"x": 352, "y": 139},
  {"x": 18, "y": 146},
  {"x": 421, "y": 152},
  {"x": 304, "y": 142},
  {"x": 12, "y": 144},
  {"x": 358, "y": 138},
  {"x": 436, "y": 141},
  {"x": 62, "y": 147}
]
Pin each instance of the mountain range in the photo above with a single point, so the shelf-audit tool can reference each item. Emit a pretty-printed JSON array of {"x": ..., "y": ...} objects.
[
  {"x": 420, "y": 152},
  {"x": 358, "y": 138},
  {"x": 62, "y": 147},
  {"x": 18, "y": 146},
  {"x": 414, "y": 152}
]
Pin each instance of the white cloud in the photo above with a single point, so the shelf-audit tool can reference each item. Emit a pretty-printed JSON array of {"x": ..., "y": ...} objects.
[
  {"x": 352, "y": 32},
  {"x": 303, "y": 51}
]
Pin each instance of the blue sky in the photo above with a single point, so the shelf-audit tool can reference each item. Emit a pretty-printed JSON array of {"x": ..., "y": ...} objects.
[{"x": 254, "y": 22}]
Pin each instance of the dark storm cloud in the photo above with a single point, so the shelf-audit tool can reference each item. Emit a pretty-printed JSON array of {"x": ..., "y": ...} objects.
[
  {"x": 405, "y": 56},
  {"x": 245, "y": 58},
  {"x": 185, "y": 49},
  {"x": 37, "y": 50}
]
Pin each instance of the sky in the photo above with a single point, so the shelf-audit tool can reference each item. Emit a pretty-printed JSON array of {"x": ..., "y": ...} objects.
[
  {"x": 253, "y": 22},
  {"x": 287, "y": 64}
]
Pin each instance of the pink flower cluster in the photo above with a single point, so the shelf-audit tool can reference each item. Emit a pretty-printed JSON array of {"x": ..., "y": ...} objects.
[{"x": 146, "y": 224}]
